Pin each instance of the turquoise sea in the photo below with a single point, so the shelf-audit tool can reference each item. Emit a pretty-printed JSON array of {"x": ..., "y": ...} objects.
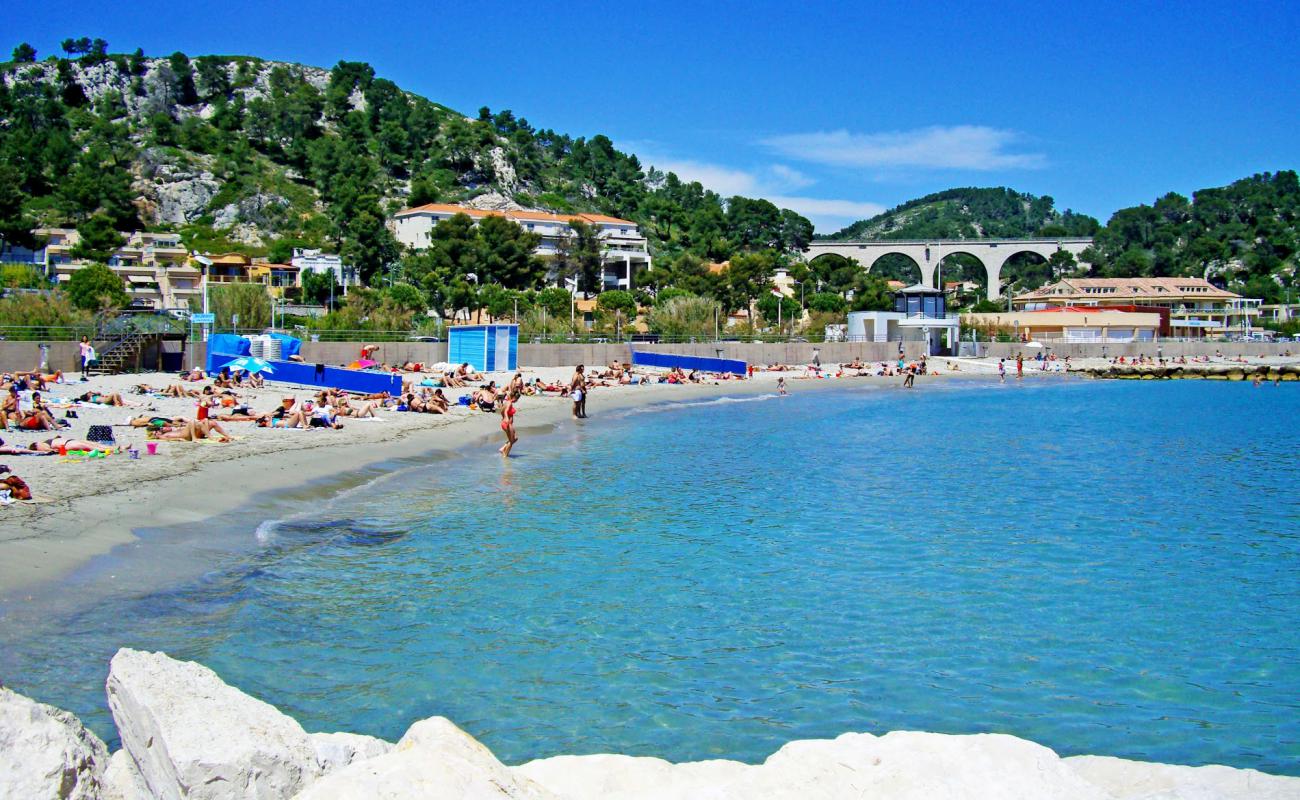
[{"x": 1102, "y": 567}]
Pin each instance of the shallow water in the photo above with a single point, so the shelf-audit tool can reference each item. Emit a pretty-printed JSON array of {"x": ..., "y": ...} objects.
[{"x": 1100, "y": 567}]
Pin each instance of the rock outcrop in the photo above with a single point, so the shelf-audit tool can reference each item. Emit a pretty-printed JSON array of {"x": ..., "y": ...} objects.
[
  {"x": 47, "y": 753},
  {"x": 192, "y": 736},
  {"x": 185, "y": 734}
]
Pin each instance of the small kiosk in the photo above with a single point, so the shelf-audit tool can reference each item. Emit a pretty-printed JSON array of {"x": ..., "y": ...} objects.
[{"x": 486, "y": 348}]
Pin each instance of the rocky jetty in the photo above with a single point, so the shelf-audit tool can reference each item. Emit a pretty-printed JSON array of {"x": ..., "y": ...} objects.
[
  {"x": 1194, "y": 371},
  {"x": 186, "y": 734}
]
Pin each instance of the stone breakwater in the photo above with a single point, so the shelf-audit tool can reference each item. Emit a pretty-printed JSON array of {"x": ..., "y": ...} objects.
[
  {"x": 1212, "y": 372},
  {"x": 186, "y": 734}
]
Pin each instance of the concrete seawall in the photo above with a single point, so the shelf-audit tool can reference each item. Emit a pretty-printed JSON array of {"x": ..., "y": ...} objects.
[{"x": 63, "y": 355}]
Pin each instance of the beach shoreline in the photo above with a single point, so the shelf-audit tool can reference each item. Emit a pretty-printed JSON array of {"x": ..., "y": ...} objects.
[
  {"x": 43, "y": 543},
  {"x": 87, "y": 513}
]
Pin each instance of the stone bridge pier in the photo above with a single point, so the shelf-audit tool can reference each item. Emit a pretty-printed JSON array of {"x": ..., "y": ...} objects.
[{"x": 991, "y": 253}]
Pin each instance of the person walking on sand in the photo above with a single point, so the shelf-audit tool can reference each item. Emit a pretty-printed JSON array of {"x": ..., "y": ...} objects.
[
  {"x": 87, "y": 356},
  {"x": 909, "y": 382},
  {"x": 508, "y": 424},
  {"x": 1002, "y": 370},
  {"x": 1020, "y": 366}
]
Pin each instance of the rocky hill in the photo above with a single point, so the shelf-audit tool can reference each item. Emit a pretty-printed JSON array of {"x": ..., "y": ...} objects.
[{"x": 241, "y": 153}]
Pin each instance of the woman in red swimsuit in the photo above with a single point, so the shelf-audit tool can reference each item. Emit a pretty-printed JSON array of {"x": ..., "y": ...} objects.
[{"x": 508, "y": 423}]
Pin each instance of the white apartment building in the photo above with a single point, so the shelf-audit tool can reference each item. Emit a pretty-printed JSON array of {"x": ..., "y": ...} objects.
[
  {"x": 625, "y": 249},
  {"x": 305, "y": 260}
]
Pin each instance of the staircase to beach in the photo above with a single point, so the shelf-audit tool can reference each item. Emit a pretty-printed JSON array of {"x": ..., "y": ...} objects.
[{"x": 121, "y": 354}]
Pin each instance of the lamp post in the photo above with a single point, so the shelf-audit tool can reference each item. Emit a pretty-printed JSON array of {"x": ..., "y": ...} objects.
[{"x": 472, "y": 277}]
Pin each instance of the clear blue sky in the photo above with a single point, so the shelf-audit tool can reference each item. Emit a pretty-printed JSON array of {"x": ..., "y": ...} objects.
[{"x": 835, "y": 109}]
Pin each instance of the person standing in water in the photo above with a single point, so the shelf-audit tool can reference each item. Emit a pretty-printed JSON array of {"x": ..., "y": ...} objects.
[
  {"x": 578, "y": 391},
  {"x": 1002, "y": 370},
  {"x": 508, "y": 423},
  {"x": 780, "y": 385},
  {"x": 910, "y": 381},
  {"x": 1020, "y": 366}
]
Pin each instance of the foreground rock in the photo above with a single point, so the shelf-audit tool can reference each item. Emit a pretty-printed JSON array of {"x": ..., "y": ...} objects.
[
  {"x": 46, "y": 752},
  {"x": 185, "y": 734},
  {"x": 191, "y": 736},
  {"x": 435, "y": 759},
  {"x": 1139, "y": 780},
  {"x": 899, "y": 766}
]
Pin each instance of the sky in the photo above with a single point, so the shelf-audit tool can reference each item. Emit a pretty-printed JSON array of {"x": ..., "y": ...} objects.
[{"x": 837, "y": 110}]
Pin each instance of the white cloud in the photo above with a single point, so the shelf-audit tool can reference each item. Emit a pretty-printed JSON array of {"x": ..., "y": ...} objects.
[
  {"x": 967, "y": 147},
  {"x": 789, "y": 177},
  {"x": 775, "y": 182},
  {"x": 723, "y": 180}
]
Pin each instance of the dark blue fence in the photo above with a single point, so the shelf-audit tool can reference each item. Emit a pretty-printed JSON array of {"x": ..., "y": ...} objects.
[{"x": 670, "y": 360}]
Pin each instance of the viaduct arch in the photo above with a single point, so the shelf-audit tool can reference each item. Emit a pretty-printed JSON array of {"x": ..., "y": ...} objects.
[{"x": 992, "y": 253}]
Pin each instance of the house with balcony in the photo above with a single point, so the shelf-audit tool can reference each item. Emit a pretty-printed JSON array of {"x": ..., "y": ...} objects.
[
  {"x": 624, "y": 250},
  {"x": 1196, "y": 308},
  {"x": 154, "y": 267}
]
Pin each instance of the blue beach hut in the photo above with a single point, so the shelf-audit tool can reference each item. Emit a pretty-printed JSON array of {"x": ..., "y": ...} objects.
[{"x": 487, "y": 348}]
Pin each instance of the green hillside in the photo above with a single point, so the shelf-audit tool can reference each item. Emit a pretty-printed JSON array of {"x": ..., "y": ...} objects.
[
  {"x": 244, "y": 154},
  {"x": 971, "y": 213}
]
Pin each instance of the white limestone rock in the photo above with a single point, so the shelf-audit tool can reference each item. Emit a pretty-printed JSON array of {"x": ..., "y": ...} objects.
[
  {"x": 47, "y": 752},
  {"x": 122, "y": 780},
  {"x": 192, "y": 736},
  {"x": 337, "y": 750},
  {"x": 898, "y": 766},
  {"x": 435, "y": 759},
  {"x": 617, "y": 777},
  {"x": 1140, "y": 780}
]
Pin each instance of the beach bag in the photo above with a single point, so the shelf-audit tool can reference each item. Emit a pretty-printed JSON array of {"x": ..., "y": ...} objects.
[{"x": 101, "y": 433}]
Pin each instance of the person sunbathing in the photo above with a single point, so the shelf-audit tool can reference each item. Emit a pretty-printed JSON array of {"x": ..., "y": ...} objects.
[
  {"x": 320, "y": 417},
  {"x": 464, "y": 373},
  {"x": 486, "y": 398},
  {"x": 346, "y": 409},
  {"x": 53, "y": 445},
  {"x": 177, "y": 390},
  {"x": 193, "y": 431},
  {"x": 38, "y": 418},
  {"x": 16, "y": 486},
  {"x": 10, "y": 410},
  {"x": 194, "y": 374},
  {"x": 438, "y": 401},
  {"x": 284, "y": 416},
  {"x": 102, "y": 398}
]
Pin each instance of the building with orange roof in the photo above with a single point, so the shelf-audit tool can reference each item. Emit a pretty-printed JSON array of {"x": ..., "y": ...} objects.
[
  {"x": 1196, "y": 307},
  {"x": 625, "y": 250}
]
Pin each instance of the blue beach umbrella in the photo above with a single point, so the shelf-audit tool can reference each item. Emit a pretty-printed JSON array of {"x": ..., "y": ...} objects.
[{"x": 250, "y": 365}]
